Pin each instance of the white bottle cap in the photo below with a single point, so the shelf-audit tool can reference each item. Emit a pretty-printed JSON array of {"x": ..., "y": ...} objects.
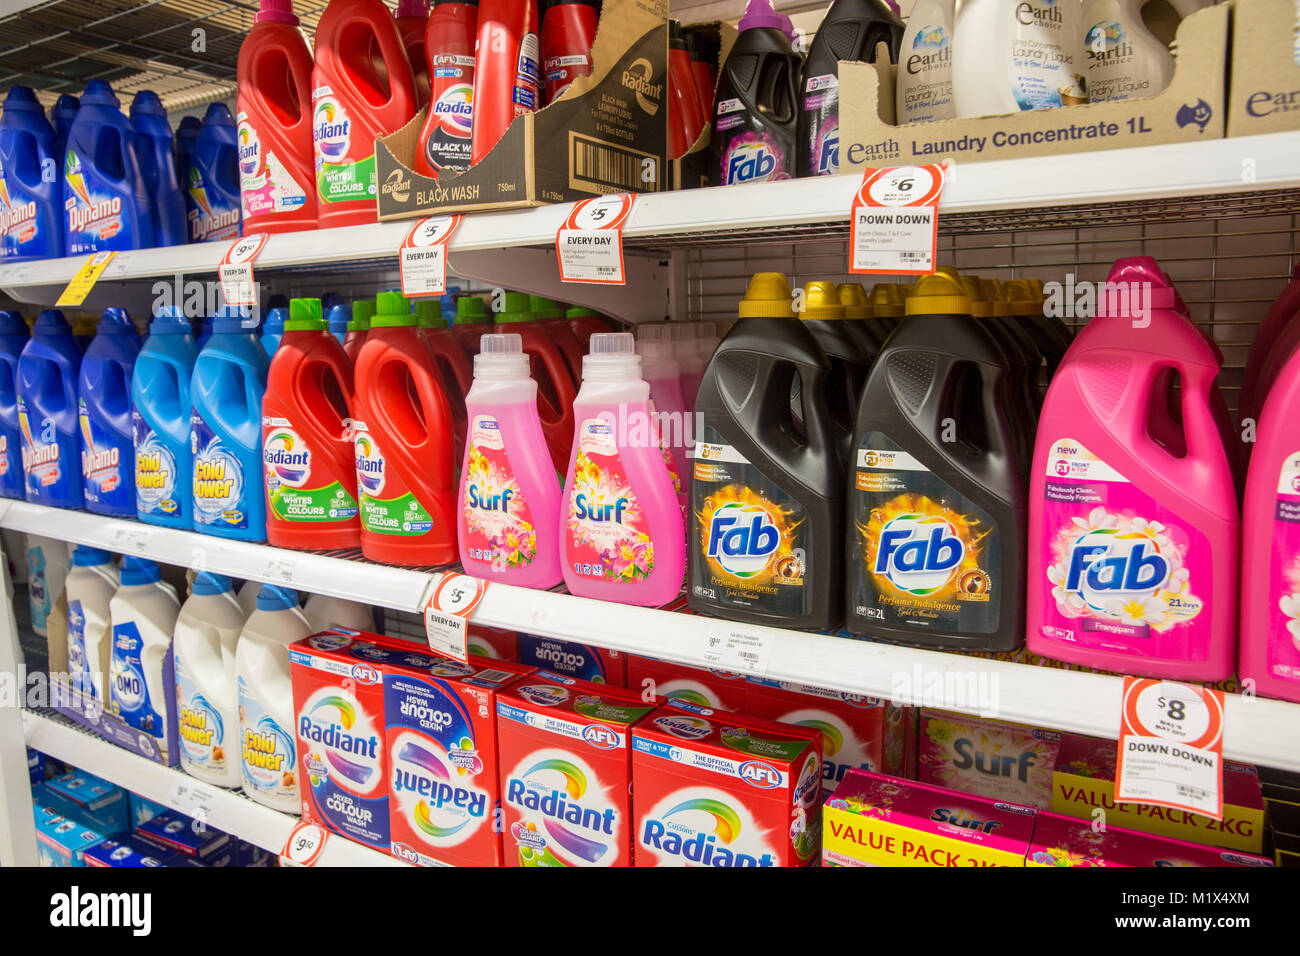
[
  {"x": 611, "y": 357},
  {"x": 501, "y": 357}
]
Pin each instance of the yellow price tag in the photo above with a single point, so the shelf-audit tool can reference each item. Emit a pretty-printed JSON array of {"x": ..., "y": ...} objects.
[{"x": 79, "y": 286}]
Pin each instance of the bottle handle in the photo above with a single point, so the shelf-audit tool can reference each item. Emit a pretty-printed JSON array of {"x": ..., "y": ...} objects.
[
  {"x": 562, "y": 379},
  {"x": 396, "y": 59},
  {"x": 342, "y": 374},
  {"x": 434, "y": 453}
]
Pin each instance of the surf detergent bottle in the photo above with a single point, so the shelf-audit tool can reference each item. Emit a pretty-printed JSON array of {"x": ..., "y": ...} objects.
[
  {"x": 273, "y": 111},
  {"x": 160, "y": 400},
  {"x": 207, "y": 633},
  {"x": 507, "y": 70},
  {"x": 509, "y": 491},
  {"x": 105, "y": 195},
  {"x": 91, "y": 584},
  {"x": 568, "y": 34},
  {"x": 405, "y": 471},
  {"x": 31, "y": 181},
  {"x": 310, "y": 468},
  {"x": 153, "y": 147},
  {"x": 556, "y": 390},
  {"x": 213, "y": 196},
  {"x": 936, "y": 512},
  {"x": 622, "y": 531},
  {"x": 104, "y": 409},
  {"x": 550, "y": 316},
  {"x": 449, "y": 46},
  {"x": 1279, "y": 316},
  {"x": 226, "y": 393},
  {"x": 1133, "y": 540},
  {"x": 143, "y": 611},
  {"x": 661, "y": 372},
  {"x": 412, "y": 18},
  {"x": 358, "y": 327},
  {"x": 62, "y": 113},
  {"x": 452, "y": 363},
  {"x": 47, "y": 413},
  {"x": 756, "y": 109},
  {"x": 851, "y": 30},
  {"x": 767, "y": 496},
  {"x": 849, "y": 352},
  {"x": 13, "y": 338},
  {"x": 362, "y": 88}
]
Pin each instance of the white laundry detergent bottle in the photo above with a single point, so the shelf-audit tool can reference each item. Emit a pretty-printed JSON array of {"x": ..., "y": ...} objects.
[
  {"x": 924, "y": 88},
  {"x": 143, "y": 612},
  {"x": 91, "y": 584},
  {"x": 1125, "y": 59},
  {"x": 248, "y": 592},
  {"x": 207, "y": 632},
  {"x": 324, "y": 611},
  {"x": 47, "y": 567}
]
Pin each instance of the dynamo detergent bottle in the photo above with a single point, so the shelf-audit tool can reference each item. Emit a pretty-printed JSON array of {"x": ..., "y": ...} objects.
[
  {"x": 158, "y": 164},
  {"x": 62, "y": 113},
  {"x": 31, "y": 181},
  {"x": 160, "y": 416},
  {"x": 207, "y": 633},
  {"x": 212, "y": 181},
  {"x": 13, "y": 337},
  {"x": 104, "y": 409},
  {"x": 47, "y": 413}
]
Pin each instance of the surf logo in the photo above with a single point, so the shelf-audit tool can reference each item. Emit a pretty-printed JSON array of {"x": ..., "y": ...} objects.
[
  {"x": 349, "y": 750},
  {"x": 1106, "y": 565},
  {"x": 919, "y": 553},
  {"x": 287, "y": 457},
  {"x": 743, "y": 538},
  {"x": 370, "y": 466},
  {"x": 250, "y": 150},
  {"x": 566, "y": 821},
  {"x": 702, "y": 831},
  {"x": 456, "y": 108},
  {"x": 332, "y": 131}
]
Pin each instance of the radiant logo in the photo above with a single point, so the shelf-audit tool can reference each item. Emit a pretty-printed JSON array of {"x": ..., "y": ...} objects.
[
  {"x": 554, "y": 789},
  {"x": 544, "y": 694},
  {"x": 700, "y": 831},
  {"x": 250, "y": 150},
  {"x": 743, "y": 539},
  {"x": 1106, "y": 564},
  {"x": 681, "y": 725},
  {"x": 287, "y": 457},
  {"x": 637, "y": 79},
  {"x": 330, "y": 723},
  {"x": 332, "y": 131},
  {"x": 456, "y": 107},
  {"x": 919, "y": 553},
  {"x": 370, "y": 466}
]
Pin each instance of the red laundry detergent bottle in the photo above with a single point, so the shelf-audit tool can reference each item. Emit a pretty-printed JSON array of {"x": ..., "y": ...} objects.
[
  {"x": 405, "y": 469},
  {"x": 363, "y": 310},
  {"x": 556, "y": 387},
  {"x": 412, "y": 18},
  {"x": 568, "y": 34},
  {"x": 362, "y": 87},
  {"x": 452, "y": 363},
  {"x": 585, "y": 322},
  {"x": 506, "y": 70},
  {"x": 449, "y": 47},
  {"x": 702, "y": 45},
  {"x": 685, "y": 120},
  {"x": 550, "y": 316},
  {"x": 470, "y": 323}
]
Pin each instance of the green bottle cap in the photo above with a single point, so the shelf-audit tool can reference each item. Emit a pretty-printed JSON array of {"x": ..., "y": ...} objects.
[
  {"x": 515, "y": 307},
  {"x": 391, "y": 311},
  {"x": 363, "y": 310},
  {"x": 544, "y": 309},
  {"x": 470, "y": 310},
  {"x": 305, "y": 315},
  {"x": 428, "y": 314}
]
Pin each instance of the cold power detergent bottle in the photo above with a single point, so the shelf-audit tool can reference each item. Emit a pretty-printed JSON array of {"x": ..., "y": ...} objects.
[
  {"x": 105, "y": 196},
  {"x": 509, "y": 491},
  {"x": 212, "y": 189},
  {"x": 337, "y": 321},
  {"x": 207, "y": 699},
  {"x": 13, "y": 338},
  {"x": 272, "y": 330},
  {"x": 936, "y": 511},
  {"x": 47, "y": 413},
  {"x": 449, "y": 46},
  {"x": 31, "y": 181},
  {"x": 924, "y": 85},
  {"x": 105, "y": 415},
  {"x": 1133, "y": 540},
  {"x": 153, "y": 147},
  {"x": 310, "y": 470},
  {"x": 91, "y": 583},
  {"x": 767, "y": 498},
  {"x": 141, "y": 675},
  {"x": 160, "y": 413},
  {"x": 274, "y": 116}
]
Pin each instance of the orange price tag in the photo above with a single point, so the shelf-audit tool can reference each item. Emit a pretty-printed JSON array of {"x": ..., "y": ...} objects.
[
  {"x": 235, "y": 271},
  {"x": 304, "y": 845},
  {"x": 589, "y": 246},
  {"x": 423, "y": 256},
  {"x": 894, "y": 223},
  {"x": 447, "y": 613}
]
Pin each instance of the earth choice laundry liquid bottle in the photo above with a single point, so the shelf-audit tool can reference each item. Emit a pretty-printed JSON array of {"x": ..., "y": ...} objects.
[
  {"x": 207, "y": 700},
  {"x": 556, "y": 389},
  {"x": 31, "y": 181},
  {"x": 767, "y": 498},
  {"x": 213, "y": 187},
  {"x": 158, "y": 164},
  {"x": 47, "y": 413},
  {"x": 160, "y": 414},
  {"x": 105, "y": 415},
  {"x": 13, "y": 338},
  {"x": 91, "y": 583},
  {"x": 143, "y": 611},
  {"x": 936, "y": 509},
  {"x": 325, "y": 611},
  {"x": 449, "y": 46},
  {"x": 622, "y": 531},
  {"x": 509, "y": 491},
  {"x": 412, "y": 17},
  {"x": 1133, "y": 543},
  {"x": 1125, "y": 60},
  {"x": 507, "y": 70},
  {"x": 924, "y": 85}
]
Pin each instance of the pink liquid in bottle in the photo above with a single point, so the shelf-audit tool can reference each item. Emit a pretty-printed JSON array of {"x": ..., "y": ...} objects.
[{"x": 663, "y": 375}]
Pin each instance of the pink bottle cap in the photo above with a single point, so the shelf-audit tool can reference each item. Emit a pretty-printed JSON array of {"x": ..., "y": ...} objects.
[
  {"x": 761, "y": 13},
  {"x": 1141, "y": 271},
  {"x": 276, "y": 11},
  {"x": 413, "y": 8}
]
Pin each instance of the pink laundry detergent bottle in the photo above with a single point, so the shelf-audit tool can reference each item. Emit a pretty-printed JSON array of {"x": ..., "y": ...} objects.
[
  {"x": 1254, "y": 387},
  {"x": 1133, "y": 538}
]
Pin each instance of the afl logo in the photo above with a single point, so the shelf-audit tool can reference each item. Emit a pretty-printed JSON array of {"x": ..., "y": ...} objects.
[
  {"x": 758, "y": 774},
  {"x": 600, "y": 737},
  {"x": 365, "y": 674}
]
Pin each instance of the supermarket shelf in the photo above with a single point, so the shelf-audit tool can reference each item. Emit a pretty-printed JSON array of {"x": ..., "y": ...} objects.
[{"x": 225, "y": 809}]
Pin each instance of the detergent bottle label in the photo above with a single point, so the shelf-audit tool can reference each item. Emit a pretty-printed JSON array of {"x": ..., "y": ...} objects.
[
  {"x": 753, "y": 538},
  {"x": 20, "y": 222},
  {"x": 1042, "y": 54},
  {"x": 821, "y": 104},
  {"x": 265, "y": 185},
  {"x": 102, "y": 464},
  {"x": 220, "y": 485},
  {"x": 267, "y": 752},
  {"x": 209, "y": 217},
  {"x": 607, "y": 534},
  {"x": 201, "y": 729},
  {"x": 130, "y": 691},
  {"x": 155, "y": 472},
  {"x": 448, "y": 143},
  {"x": 290, "y": 490},
  {"x": 399, "y": 513},
  {"x": 345, "y": 163},
  {"x": 498, "y": 522},
  {"x": 925, "y": 556},
  {"x": 1123, "y": 571},
  {"x": 1283, "y": 654},
  {"x": 77, "y": 649},
  {"x": 11, "y": 466},
  {"x": 753, "y": 156},
  {"x": 43, "y": 464},
  {"x": 95, "y": 217}
]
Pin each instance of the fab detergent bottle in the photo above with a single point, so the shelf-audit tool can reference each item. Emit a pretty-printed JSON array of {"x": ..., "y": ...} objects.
[
  {"x": 153, "y": 145},
  {"x": 362, "y": 88},
  {"x": 1134, "y": 542},
  {"x": 226, "y": 392},
  {"x": 31, "y": 181},
  {"x": 406, "y": 474},
  {"x": 141, "y": 676},
  {"x": 105, "y": 414},
  {"x": 274, "y": 116},
  {"x": 449, "y": 47},
  {"x": 160, "y": 414},
  {"x": 207, "y": 633},
  {"x": 212, "y": 188},
  {"x": 767, "y": 498},
  {"x": 310, "y": 469},
  {"x": 47, "y": 413},
  {"x": 849, "y": 352},
  {"x": 91, "y": 583},
  {"x": 13, "y": 338},
  {"x": 622, "y": 531},
  {"x": 509, "y": 491},
  {"x": 556, "y": 388}
]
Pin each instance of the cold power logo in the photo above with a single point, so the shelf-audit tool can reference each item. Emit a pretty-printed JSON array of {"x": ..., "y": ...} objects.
[
  {"x": 919, "y": 553},
  {"x": 743, "y": 538}
]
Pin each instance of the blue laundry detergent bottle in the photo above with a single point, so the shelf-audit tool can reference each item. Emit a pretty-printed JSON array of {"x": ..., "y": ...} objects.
[
  {"x": 62, "y": 113},
  {"x": 272, "y": 329},
  {"x": 226, "y": 430},
  {"x": 107, "y": 436},
  {"x": 47, "y": 413},
  {"x": 212, "y": 193},
  {"x": 31, "y": 181},
  {"x": 339, "y": 317},
  {"x": 13, "y": 336},
  {"x": 187, "y": 131},
  {"x": 160, "y": 398},
  {"x": 158, "y": 163},
  {"x": 104, "y": 191},
  {"x": 205, "y": 331}
]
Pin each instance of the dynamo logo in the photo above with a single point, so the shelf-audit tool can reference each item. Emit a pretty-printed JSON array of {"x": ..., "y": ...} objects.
[
  {"x": 919, "y": 553},
  {"x": 743, "y": 539},
  {"x": 1106, "y": 564}
]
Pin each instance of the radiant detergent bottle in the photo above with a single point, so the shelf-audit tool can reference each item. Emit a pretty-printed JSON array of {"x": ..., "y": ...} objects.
[
  {"x": 470, "y": 323},
  {"x": 274, "y": 115},
  {"x": 849, "y": 352},
  {"x": 62, "y": 113},
  {"x": 273, "y": 330},
  {"x": 622, "y": 533},
  {"x": 702, "y": 46},
  {"x": 160, "y": 402},
  {"x": 412, "y": 18},
  {"x": 685, "y": 118},
  {"x": 358, "y": 327},
  {"x": 13, "y": 337},
  {"x": 207, "y": 632},
  {"x": 507, "y": 70},
  {"x": 661, "y": 372},
  {"x": 936, "y": 511},
  {"x": 91, "y": 583},
  {"x": 141, "y": 675},
  {"x": 226, "y": 393},
  {"x": 568, "y": 34},
  {"x": 1125, "y": 60},
  {"x": 924, "y": 86},
  {"x": 47, "y": 413},
  {"x": 1263, "y": 350},
  {"x": 47, "y": 569},
  {"x": 767, "y": 497},
  {"x": 1133, "y": 542},
  {"x": 267, "y": 740},
  {"x": 509, "y": 491},
  {"x": 213, "y": 180},
  {"x": 549, "y": 315},
  {"x": 452, "y": 363},
  {"x": 106, "y": 198},
  {"x": 153, "y": 146},
  {"x": 325, "y": 611},
  {"x": 585, "y": 322},
  {"x": 403, "y": 438},
  {"x": 105, "y": 413},
  {"x": 449, "y": 47},
  {"x": 362, "y": 88},
  {"x": 556, "y": 389},
  {"x": 31, "y": 181}
]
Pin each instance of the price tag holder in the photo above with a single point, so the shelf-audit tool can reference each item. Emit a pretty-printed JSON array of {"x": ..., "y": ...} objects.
[
  {"x": 193, "y": 798},
  {"x": 304, "y": 845},
  {"x": 894, "y": 223},
  {"x": 589, "y": 246},
  {"x": 1171, "y": 746},
  {"x": 447, "y": 613},
  {"x": 235, "y": 271},
  {"x": 79, "y": 285},
  {"x": 281, "y": 570},
  {"x": 740, "y": 652},
  {"x": 125, "y": 539},
  {"x": 423, "y": 255}
]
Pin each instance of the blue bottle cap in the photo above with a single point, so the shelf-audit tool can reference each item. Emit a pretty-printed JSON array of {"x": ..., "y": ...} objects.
[
  {"x": 206, "y": 583},
  {"x": 230, "y": 318},
  {"x": 147, "y": 101},
  {"x": 51, "y": 322},
  {"x": 22, "y": 98},
  {"x": 218, "y": 113},
  {"x": 339, "y": 317},
  {"x": 139, "y": 571},
  {"x": 99, "y": 93},
  {"x": 12, "y": 323},
  {"x": 115, "y": 322},
  {"x": 67, "y": 103},
  {"x": 84, "y": 556},
  {"x": 272, "y": 597},
  {"x": 169, "y": 320},
  {"x": 275, "y": 320}
]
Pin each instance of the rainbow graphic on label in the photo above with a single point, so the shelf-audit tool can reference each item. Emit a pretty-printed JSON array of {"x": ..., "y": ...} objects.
[
  {"x": 566, "y": 817},
  {"x": 701, "y": 826}
]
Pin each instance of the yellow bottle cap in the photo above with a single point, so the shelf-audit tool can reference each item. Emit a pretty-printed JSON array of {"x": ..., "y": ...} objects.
[
  {"x": 768, "y": 296},
  {"x": 1037, "y": 286},
  {"x": 821, "y": 301},
  {"x": 938, "y": 294},
  {"x": 1021, "y": 297},
  {"x": 980, "y": 307},
  {"x": 887, "y": 301},
  {"x": 854, "y": 299}
]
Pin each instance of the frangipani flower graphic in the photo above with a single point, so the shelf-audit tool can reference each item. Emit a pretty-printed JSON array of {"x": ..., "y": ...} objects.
[
  {"x": 1290, "y": 605},
  {"x": 1067, "y": 602},
  {"x": 1097, "y": 518},
  {"x": 1138, "y": 610}
]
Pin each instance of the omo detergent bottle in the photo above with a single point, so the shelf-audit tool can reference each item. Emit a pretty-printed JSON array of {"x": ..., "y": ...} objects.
[
  {"x": 226, "y": 392},
  {"x": 160, "y": 399},
  {"x": 105, "y": 195},
  {"x": 207, "y": 633},
  {"x": 158, "y": 164},
  {"x": 47, "y": 568},
  {"x": 47, "y": 413},
  {"x": 31, "y": 181},
  {"x": 104, "y": 407},
  {"x": 13, "y": 337},
  {"x": 91, "y": 583},
  {"x": 556, "y": 387},
  {"x": 212, "y": 196},
  {"x": 141, "y": 675},
  {"x": 1133, "y": 519}
]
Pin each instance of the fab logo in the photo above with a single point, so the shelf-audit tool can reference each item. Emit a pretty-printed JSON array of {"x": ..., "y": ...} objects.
[
  {"x": 919, "y": 553},
  {"x": 332, "y": 130},
  {"x": 828, "y": 152},
  {"x": 743, "y": 538},
  {"x": 287, "y": 457},
  {"x": 1107, "y": 565},
  {"x": 751, "y": 163}
]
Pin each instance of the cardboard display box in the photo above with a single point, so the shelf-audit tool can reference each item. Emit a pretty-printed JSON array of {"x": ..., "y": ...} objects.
[
  {"x": 1264, "y": 94},
  {"x": 691, "y": 170}
]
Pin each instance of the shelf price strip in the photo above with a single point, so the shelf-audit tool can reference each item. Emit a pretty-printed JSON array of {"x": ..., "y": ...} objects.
[
  {"x": 423, "y": 255},
  {"x": 235, "y": 271},
  {"x": 447, "y": 613}
]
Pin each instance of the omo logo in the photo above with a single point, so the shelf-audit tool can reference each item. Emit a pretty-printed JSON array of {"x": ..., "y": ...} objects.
[
  {"x": 919, "y": 553},
  {"x": 287, "y": 457},
  {"x": 332, "y": 130},
  {"x": 1107, "y": 564},
  {"x": 758, "y": 774},
  {"x": 750, "y": 163},
  {"x": 456, "y": 108},
  {"x": 600, "y": 737},
  {"x": 743, "y": 538}
]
